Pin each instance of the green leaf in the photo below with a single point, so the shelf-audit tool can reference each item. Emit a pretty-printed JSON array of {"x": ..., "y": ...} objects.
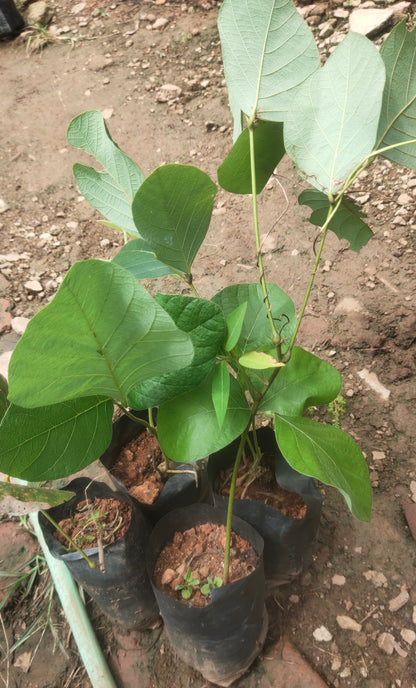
[
  {"x": 188, "y": 428},
  {"x": 204, "y": 322},
  {"x": 346, "y": 223},
  {"x": 332, "y": 123},
  {"x": 4, "y": 388},
  {"x": 234, "y": 325},
  {"x": 398, "y": 112},
  {"x": 305, "y": 381},
  {"x": 327, "y": 454},
  {"x": 172, "y": 211},
  {"x": 256, "y": 332},
  {"x": 54, "y": 441},
  {"x": 259, "y": 360},
  {"x": 112, "y": 190},
  {"x": 101, "y": 335},
  {"x": 268, "y": 51},
  {"x": 138, "y": 258},
  {"x": 25, "y": 493},
  {"x": 221, "y": 391},
  {"x": 234, "y": 174}
]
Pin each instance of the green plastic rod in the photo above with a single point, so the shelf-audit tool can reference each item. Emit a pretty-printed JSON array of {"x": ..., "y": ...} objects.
[{"x": 89, "y": 649}]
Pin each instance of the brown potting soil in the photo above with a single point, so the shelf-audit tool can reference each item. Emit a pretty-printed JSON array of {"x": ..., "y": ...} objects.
[
  {"x": 262, "y": 486},
  {"x": 137, "y": 468},
  {"x": 201, "y": 549},
  {"x": 95, "y": 520}
]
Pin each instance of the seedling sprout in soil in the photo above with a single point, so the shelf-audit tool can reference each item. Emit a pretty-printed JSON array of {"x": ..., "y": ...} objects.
[{"x": 213, "y": 366}]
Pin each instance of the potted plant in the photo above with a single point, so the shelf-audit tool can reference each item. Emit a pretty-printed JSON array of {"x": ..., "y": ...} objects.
[{"x": 212, "y": 367}]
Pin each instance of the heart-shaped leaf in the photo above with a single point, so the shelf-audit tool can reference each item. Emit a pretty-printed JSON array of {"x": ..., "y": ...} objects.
[
  {"x": 234, "y": 174},
  {"x": 268, "y": 51},
  {"x": 205, "y": 324},
  {"x": 139, "y": 258},
  {"x": 256, "y": 332},
  {"x": 101, "y": 335},
  {"x": 305, "y": 381},
  {"x": 52, "y": 442},
  {"x": 398, "y": 112},
  {"x": 172, "y": 211},
  {"x": 188, "y": 427},
  {"x": 332, "y": 123},
  {"x": 327, "y": 454},
  {"x": 346, "y": 223},
  {"x": 112, "y": 190}
]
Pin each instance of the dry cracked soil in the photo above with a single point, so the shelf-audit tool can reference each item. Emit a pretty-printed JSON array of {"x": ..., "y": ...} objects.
[{"x": 117, "y": 58}]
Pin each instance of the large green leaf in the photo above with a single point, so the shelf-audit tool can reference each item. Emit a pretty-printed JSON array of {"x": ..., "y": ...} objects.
[
  {"x": 205, "y": 324},
  {"x": 139, "y": 258},
  {"x": 54, "y": 441},
  {"x": 172, "y": 211},
  {"x": 102, "y": 334},
  {"x": 188, "y": 428},
  {"x": 333, "y": 119},
  {"x": 112, "y": 190},
  {"x": 305, "y": 381},
  {"x": 268, "y": 51},
  {"x": 43, "y": 496},
  {"x": 327, "y": 454},
  {"x": 398, "y": 112},
  {"x": 256, "y": 331},
  {"x": 234, "y": 174},
  {"x": 346, "y": 223}
]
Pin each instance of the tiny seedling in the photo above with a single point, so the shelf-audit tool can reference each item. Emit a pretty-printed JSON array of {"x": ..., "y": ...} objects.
[
  {"x": 337, "y": 409},
  {"x": 189, "y": 585},
  {"x": 211, "y": 584}
]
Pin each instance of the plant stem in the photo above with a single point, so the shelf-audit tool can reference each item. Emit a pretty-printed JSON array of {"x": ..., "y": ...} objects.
[
  {"x": 89, "y": 561},
  {"x": 230, "y": 505},
  {"x": 275, "y": 334},
  {"x": 331, "y": 212}
]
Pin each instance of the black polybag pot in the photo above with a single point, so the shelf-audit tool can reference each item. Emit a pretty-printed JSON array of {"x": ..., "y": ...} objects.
[
  {"x": 179, "y": 490},
  {"x": 222, "y": 639},
  {"x": 11, "y": 22},
  {"x": 288, "y": 542},
  {"x": 123, "y": 591}
]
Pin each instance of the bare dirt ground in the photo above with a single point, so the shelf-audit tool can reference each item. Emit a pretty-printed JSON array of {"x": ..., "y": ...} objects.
[{"x": 115, "y": 58}]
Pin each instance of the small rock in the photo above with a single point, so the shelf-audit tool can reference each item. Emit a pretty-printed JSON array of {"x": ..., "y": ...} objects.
[
  {"x": 414, "y": 614},
  {"x": 3, "y": 206},
  {"x": 327, "y": 28},
  {"x": 269, "y": 243},
  {"x": 19, "y": 324},
  {"x": 404, "y": 199},
  {"x": 39, "y": 13},
  {"x": 345, "y": 673},
  {"x": 337, "y": 579},
  {"x": 348, "y": 624},
  {"x": 348, "y": 305},
  {"x": 408, "y": 635},
  {"x": 33, "y": 287},
  {"x": 336, "y": 664},
  {"x": 399, "y": 601},
  {"x": 378, "y": 455},
  {"x": 322, "y": 634},
  {"x": 160, "y": 23},
  {"x": 386, "y": 642},
  {"x": 107, "y": 113},
  {"x": 98, "y": 62},
  {"x": 78, "y": 8},
  {"x": 340, "y": 13},
  {"x": 168, "y": 92},
  {"x": 168, "y": 576},
  {"x": 377, "y": 578},
  {"x": 413, "y": 489},
  {"x": 370, "y": 22},
  {"x": 105, "y": 243},
  {"x": 399, "y": 9},
  {"x": 373, "y": 383}
]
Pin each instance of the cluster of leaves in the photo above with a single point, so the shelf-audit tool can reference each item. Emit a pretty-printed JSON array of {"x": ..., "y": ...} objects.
[
  {"x": 191, "y": 584},
  {"x": 210, "y": 366}
]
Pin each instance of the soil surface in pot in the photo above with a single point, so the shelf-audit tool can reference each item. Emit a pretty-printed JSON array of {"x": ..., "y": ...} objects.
[
  {"x": 260, "y": 484},
  {"x": 137, "y": 468},
  {"x": 95, "y": 521},
  {"x": 194, "y": 558}
]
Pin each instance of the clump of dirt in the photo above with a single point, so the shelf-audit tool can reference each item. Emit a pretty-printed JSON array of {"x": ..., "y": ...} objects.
[
  {"x": 95, "y": 521},
  {"x": 137, "y": 468},
  {"x": 260, "y": 484},
  {"x": 195, "y": 558}
]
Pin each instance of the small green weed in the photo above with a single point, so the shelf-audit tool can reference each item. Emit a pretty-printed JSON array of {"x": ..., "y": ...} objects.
[
  {"x": 337, "y": 409},
  {"x": 187, "y": 587}
]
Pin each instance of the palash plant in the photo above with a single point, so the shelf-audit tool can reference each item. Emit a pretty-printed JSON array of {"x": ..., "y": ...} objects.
[{"x": 211, "y": 367}]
